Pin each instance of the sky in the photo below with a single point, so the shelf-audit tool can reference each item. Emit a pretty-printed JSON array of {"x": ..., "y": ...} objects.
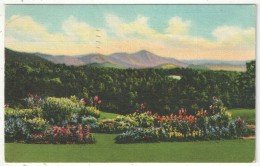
[{"x": 215, "y": 32}]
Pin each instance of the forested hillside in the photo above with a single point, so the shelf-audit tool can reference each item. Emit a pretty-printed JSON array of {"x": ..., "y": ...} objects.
[{"x": 123, "y": 90}]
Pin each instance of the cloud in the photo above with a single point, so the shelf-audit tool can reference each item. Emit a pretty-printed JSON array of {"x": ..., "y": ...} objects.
[
  {"x": 139, "y": 27},
  {"x": 81, "y": 31},
  {"x": 177, "y": 26},
  {"x": 232, "y": 36},
  {"x": 23, "y": 33},
  {"x": 24, "y": 27}
]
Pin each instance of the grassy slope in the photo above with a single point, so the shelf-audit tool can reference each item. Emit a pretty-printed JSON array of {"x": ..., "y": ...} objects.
[
  {"x": 106, "y": 115},
  {"x": 105, "y": 150},
  {"x": 247, "y": 114}
]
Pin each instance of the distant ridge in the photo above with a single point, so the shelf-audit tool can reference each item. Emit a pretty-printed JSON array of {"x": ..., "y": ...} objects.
[{"x": 140, "y": 59}]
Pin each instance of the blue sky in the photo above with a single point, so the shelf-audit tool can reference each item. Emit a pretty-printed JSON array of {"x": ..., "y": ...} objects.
[{"x": 180, "y": 25}]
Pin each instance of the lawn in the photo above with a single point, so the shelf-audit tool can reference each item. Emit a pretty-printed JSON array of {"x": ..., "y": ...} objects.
[
  {"x": 247, "y": 114},
  {"x": 105, "y": 150},
  {"x": 106, "y": 115}
]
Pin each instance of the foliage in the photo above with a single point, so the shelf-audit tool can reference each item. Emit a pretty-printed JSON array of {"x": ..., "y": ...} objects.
[
  {"x": 145, "y": 119},
  {"x": 61, "y": 111},
  {"x": 124, "y": 123},
  {"x": 21, "y": 123},
  {"x": 58, "y": 110},
  {"x": 33, "y": 101},
  {"x": 91, "y": 111},
  {"x": 89, "y": 120},
  {"x": 106, "y": 126},
  {"x": 23, "y": 113},
  {"x": 36, "y": 125},
  {"x": 121, "y": 89},
  {"x": 62, "y": 135},
  {"x": 183, "y": 127},
  {"x": 15, "y": 129},
  {"x": 241, "y": 128},
  {"x": 138, "y": 135},
  {"x": 247, "y": 86}
]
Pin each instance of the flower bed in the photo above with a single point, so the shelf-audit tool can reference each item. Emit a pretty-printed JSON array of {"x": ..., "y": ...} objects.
[
  {"x": 63, "y": 135},
  {"x": 187, "y": 128},
  {"x": 38, "y": 121}
]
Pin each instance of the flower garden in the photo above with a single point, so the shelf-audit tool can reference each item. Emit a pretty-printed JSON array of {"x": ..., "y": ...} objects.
[{"x": 72, "y": 121}]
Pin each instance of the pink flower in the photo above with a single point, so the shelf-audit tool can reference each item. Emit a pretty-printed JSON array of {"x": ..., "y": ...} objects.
[
  {"x": 149, "y": 112},
  {"x": 142, "y": 106},
  {"x": 96, "y": 98},
  {"x": 99, "y": 101},
  {"x": 83, "y": 101},
  {"x": 180, "y": 112}
]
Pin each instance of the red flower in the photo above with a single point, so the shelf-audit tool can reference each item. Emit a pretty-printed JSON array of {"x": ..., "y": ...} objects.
[
  {"x": 180, "y": 112},
  {"x": 83, "y": 101},
  {"x": 55, "y": 128},
  {"x": 159, "y": 118},
  {"x": 96, "y": 98}
]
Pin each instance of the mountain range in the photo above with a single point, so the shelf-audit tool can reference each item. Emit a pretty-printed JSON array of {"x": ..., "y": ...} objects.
[{"x": 141, "y": 59}]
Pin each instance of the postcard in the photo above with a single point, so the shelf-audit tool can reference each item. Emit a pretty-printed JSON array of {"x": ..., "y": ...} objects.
[{"x": 129, "y": 83}]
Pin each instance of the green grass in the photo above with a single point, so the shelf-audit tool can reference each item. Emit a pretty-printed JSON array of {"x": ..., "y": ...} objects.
[
  {"x": 247, "y": 114},
  {"x": 106, "y": 115},
  {"x": 105, "y": 150}
]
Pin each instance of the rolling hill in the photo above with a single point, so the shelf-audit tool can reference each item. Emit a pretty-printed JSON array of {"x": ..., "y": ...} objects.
[{"x": 140, "y": 59}]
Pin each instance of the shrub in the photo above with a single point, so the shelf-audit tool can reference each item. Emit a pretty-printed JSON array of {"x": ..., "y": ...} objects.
[
  {"x": 89, "y": 120},
  {"x": 145, "y": 119},
  {"x": 117, "y": 125},
  {"x": 89, "y": 111},
  {"x": 61, "y": 111},
  {"x": 123, "y": 123},
  {"x": 24, "y": 113},
  {"x": 36, "y": 125},
  {"x": 33, "y": 101},
  {"x": 15, "y": 129},
  {"x": 106, "y": 126},
  {"x": 138, "y": 135},
  {"x": 58, "y": 110},
  {"x": 241, "y": 128}
]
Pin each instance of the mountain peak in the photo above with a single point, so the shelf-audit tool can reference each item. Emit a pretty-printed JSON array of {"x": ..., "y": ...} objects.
[{"x": 143, "y": 52}]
